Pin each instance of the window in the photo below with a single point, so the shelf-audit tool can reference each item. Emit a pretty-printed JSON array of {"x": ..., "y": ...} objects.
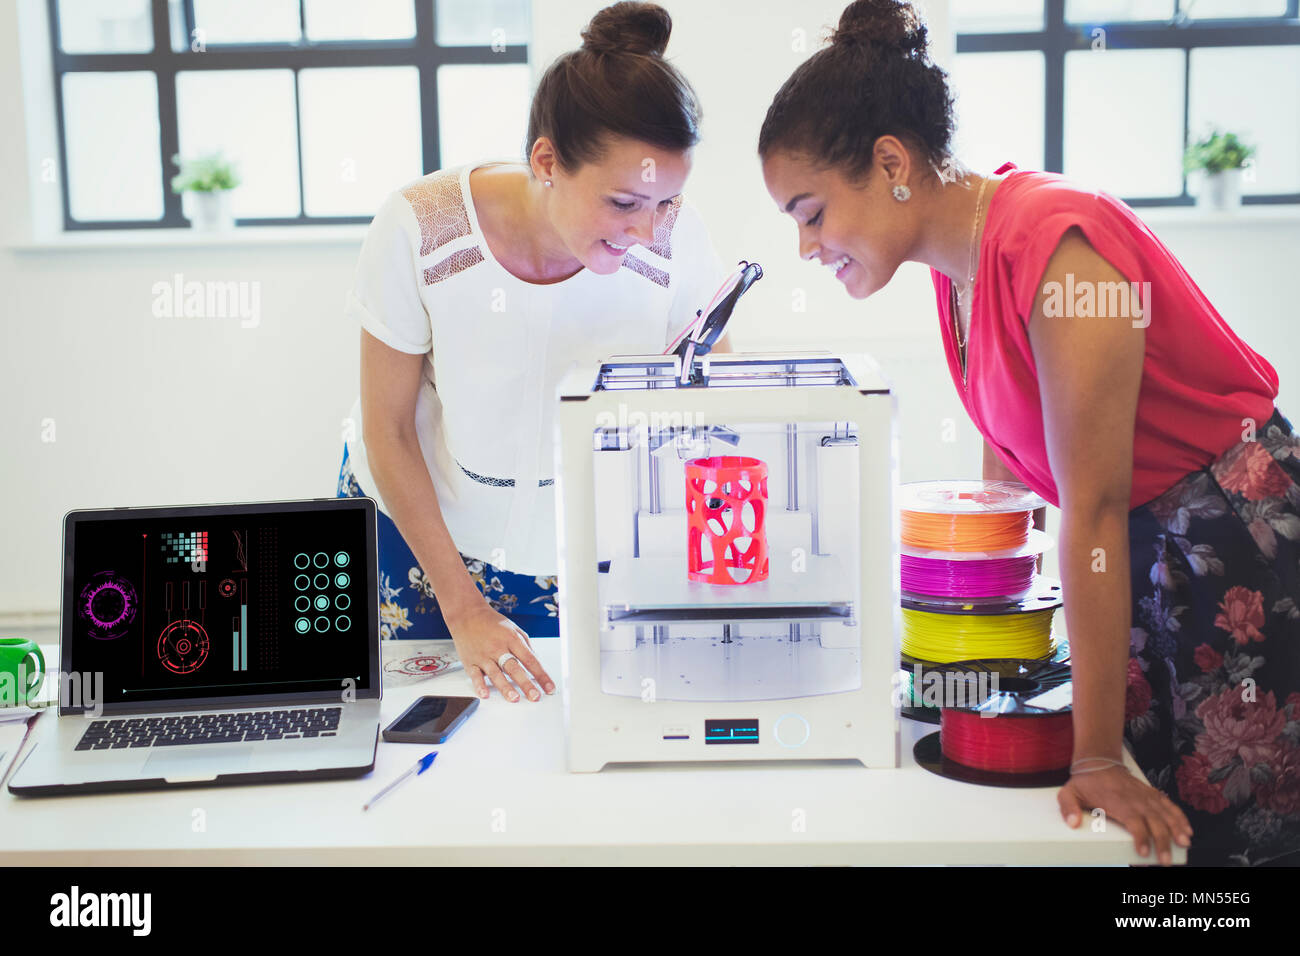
[
  {"x": 1110, "y": 92},
  {"x": 324, "y": 105}
]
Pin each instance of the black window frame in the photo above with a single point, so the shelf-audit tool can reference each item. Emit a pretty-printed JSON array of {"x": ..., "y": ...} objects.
[
  {"x": 1179, "y": 32},
  {"x": 421, "y": 51}
]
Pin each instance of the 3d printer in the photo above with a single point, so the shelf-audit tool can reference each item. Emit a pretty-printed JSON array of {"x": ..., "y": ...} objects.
[{"x": 728, "y": 554}]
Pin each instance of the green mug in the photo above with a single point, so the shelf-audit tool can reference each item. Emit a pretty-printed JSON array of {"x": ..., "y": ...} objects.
[{"x": 14, "y": 673}]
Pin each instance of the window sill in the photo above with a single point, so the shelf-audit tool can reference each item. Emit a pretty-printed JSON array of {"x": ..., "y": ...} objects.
[
  {"x": 240, "y": 236},
  {"x": 1288, "y": 213}
]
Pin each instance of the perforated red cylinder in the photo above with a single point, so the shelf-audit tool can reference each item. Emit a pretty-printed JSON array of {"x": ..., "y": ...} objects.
[{"x": 726, "y": 504}]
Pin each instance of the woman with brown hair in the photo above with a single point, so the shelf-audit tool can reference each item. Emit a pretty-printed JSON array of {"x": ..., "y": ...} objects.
[
  {"x": 1142, "y": 416},
  {"x": 477, "y": 288}
]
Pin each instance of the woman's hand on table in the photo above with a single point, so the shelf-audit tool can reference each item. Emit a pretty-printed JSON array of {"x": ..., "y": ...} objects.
[
  {"x": 481, "y": 636},
  {"x": 1147, "y": 813}
]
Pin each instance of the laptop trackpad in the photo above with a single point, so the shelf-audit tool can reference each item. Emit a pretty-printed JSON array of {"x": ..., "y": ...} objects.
[{"x": 178, "y": 764}]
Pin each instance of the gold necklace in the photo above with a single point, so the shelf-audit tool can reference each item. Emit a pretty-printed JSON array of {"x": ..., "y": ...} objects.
[{"x": 974, "y": 228}]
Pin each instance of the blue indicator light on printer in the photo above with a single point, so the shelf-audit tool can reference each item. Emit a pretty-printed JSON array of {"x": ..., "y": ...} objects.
[{"x": 731, "y": 731}]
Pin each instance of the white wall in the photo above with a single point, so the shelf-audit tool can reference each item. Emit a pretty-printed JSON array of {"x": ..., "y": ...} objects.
[{"x": 151, "y": 411}]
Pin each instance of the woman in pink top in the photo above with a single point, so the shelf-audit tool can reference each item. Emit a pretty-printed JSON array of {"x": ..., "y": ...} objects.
[{"x": 1101, "y": 377}]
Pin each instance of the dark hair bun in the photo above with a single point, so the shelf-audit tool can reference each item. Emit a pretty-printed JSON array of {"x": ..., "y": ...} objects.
[
  {"x": 629, "y": 28},
  {"x": 618, "y": 84},
  {"x": 884, "y": 24},
  {"x": 875, "y": 78}
]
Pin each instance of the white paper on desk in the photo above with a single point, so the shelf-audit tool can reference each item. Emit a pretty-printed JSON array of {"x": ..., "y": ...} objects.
[
  {"x": 12, "y": 733},
  {"x": 1054, "y": 699},
  {"x": 409, "y": 662},
  {"x": 17, "y": 713}
]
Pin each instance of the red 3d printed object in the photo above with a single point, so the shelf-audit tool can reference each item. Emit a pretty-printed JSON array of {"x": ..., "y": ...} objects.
[{"x": 726, "y": 503}]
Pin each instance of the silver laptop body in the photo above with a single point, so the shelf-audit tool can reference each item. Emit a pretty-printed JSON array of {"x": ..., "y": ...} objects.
[{"x": 213, "y": 644}]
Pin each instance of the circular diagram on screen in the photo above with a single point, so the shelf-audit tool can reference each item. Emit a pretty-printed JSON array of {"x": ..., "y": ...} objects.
[
  {"x": 108, "y": 605},
  {"x": 183, "y": 647}
]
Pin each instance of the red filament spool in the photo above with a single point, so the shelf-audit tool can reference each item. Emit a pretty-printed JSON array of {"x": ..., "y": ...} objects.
[
  {"x": 726, "y": 503},
  {"x": 1008, "y": 743}
]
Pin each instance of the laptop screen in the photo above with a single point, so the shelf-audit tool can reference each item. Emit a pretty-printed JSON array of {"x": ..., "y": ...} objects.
[{"x": 229, "y": 602}]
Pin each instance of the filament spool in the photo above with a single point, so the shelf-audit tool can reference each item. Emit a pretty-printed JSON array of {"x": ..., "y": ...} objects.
[
  {"x": 940, "y": 632},
  {"x": 966, "y": 515},
  {"x": 1016, "y": 738},
  {"x": 996, "y": 578},
  {"x": 944, "y": 638},
  {"x": 926, "y": 688},
  {"x": 972, "y": 577}
]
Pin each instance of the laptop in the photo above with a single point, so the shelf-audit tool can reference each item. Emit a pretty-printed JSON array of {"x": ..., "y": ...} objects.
[{"x": 213, "y": 644}]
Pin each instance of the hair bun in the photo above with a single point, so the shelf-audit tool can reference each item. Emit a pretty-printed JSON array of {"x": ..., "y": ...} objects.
[
  {"x": 885, "y": 24},
  {"x": 629, "y": 27}
]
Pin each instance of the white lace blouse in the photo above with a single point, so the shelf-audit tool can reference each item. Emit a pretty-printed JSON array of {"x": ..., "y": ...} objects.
[{"x": 496, "y": 347}]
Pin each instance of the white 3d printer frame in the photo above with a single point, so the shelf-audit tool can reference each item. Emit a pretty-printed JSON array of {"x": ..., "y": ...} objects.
[{"x": 834, "y": 713}]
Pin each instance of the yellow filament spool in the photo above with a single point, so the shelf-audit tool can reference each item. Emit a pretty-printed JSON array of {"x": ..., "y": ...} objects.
[{"x": 944, "y": 638}]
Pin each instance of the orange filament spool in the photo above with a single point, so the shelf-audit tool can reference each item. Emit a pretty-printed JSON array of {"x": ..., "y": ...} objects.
[
  {"x": 974, "y": 532},
  {"x": 966, "y": 515}
]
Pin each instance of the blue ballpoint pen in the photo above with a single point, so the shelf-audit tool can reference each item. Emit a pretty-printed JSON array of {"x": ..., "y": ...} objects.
[{"x": 423, "y": 764}]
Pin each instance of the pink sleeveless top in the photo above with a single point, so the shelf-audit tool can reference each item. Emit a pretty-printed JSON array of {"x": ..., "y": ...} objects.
[{"x": 1199, "y": 379}]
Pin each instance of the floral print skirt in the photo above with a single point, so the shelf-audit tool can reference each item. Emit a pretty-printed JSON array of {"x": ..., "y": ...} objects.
[
  {"x": 408, "y": 608},
  {"x": 1212, "y": 713}
]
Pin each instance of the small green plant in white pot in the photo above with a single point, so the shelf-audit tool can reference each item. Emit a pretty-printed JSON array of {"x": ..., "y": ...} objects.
[
  {"x": 209, "y": 181},
  {"x": 1219, "y": 158}
]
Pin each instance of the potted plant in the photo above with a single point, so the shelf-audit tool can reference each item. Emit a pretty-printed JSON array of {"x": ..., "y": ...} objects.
[
  {"x": 209, "y": 180},
  {"x": 1220, "y": 157}
]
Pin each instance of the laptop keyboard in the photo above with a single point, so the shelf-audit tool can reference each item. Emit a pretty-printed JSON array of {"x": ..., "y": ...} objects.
[{"x": 224, "y": 728}]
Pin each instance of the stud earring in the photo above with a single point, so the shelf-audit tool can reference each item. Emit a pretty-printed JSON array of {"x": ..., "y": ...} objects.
[
  {"x": 902, "y": 193},
  {"x": 547, "y": 183}
]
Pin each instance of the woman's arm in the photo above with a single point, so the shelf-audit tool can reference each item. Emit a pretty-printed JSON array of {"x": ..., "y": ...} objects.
[
  {"x": 390, "y": 385},
  {"x": 1089, "y": 373},
  {"x": 994, "y": 470}
]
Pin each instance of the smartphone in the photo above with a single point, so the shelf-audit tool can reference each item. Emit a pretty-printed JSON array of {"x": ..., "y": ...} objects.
[{"x": 430, "y": 720}]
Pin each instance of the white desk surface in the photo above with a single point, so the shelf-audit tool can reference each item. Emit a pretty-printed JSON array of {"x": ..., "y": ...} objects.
[{"x": 499, "y": 793}]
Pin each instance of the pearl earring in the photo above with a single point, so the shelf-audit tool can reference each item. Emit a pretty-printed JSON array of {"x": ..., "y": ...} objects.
[
  {"x": 547, "y": 183},
  {"x": 902, "y": 193}
]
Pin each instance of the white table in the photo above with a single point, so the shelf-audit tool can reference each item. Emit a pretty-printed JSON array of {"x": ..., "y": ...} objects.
[{"x": 499, "y": 793}]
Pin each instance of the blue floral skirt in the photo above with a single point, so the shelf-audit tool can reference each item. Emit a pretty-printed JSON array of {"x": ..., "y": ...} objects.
[
  {"x": 1212, "y": 713},
  {"x": 408, "y": 608}
]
